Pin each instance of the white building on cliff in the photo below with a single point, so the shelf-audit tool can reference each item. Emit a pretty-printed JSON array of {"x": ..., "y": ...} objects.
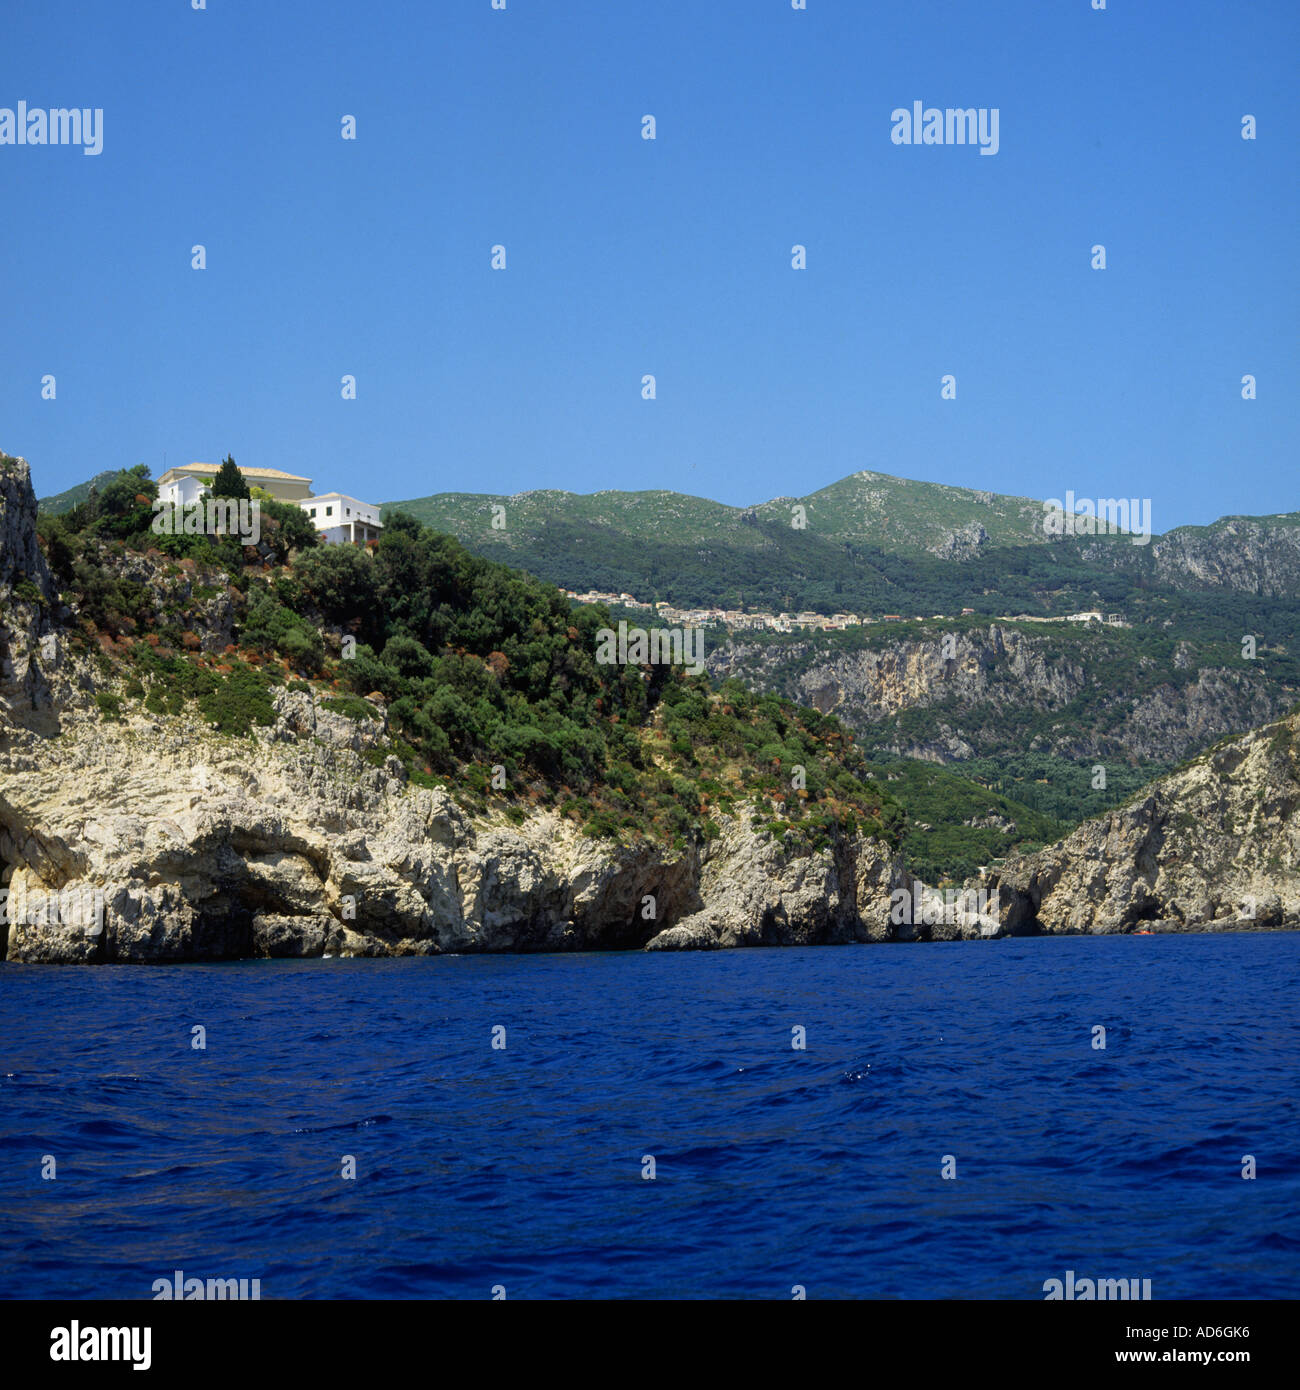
[
  {"x": 339, "y": 519},
  {"x": 342, "y": 520}
]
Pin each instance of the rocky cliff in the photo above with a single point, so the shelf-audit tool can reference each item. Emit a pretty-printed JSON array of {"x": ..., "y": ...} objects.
[
  {"x": 28, "y": 604},
  {"x": 986, "y": 691},
  {"x": 206, "y": 847},
  {"x": 1212, "y": 844},
  {"x": 1249, "y": 555}
]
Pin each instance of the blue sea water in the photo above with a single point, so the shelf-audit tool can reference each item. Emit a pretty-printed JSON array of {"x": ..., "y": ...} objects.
[{"x": 774, "y": 1167}]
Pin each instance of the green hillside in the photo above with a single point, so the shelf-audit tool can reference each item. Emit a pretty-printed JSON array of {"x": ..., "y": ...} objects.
[
  {"x": 62, "y": 502},
  {"x": 891, "y": 514},
  {"x": 864, "y": 549},
  {"x": 957, "y": 822},
  {"x": 903, "y": 515}
]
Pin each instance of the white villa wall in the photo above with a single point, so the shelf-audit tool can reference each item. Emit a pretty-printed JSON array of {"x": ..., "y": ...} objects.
[
  {"x": 183, "y": 490},
  {"x": 342, "y": 520}
]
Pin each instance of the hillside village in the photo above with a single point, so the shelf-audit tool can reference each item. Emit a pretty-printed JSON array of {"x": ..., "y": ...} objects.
[{"x": 742, "y": 620}]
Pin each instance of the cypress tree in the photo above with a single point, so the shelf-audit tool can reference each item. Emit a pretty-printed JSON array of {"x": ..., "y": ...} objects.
[{"x": 229, "y": 481}]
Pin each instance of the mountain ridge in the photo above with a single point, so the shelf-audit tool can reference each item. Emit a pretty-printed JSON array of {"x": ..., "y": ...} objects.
[
  {"x": 833, "y": 504},
  {"x": 867, "y": 544}
]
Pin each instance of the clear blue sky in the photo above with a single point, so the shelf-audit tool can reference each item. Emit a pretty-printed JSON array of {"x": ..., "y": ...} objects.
[{"x": 670, "y": 257}]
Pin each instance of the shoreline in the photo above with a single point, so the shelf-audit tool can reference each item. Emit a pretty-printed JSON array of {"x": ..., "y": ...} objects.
[{"x": 1243, "y": 927}]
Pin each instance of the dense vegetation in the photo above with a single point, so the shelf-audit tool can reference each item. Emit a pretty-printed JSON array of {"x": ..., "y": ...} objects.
[
  {"x": 488, "y": 677},
  {"x": 790, "y": 570},
  {"x": 972, "y": 813},
  {"x": 1058, "y": 789},
  {"x": 958, "y": 822}
]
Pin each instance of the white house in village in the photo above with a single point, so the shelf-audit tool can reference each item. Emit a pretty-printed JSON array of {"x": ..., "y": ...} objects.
[{"x": 340, "y": 519}]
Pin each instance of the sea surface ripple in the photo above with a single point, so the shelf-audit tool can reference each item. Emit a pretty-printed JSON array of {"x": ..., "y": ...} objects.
[{"x": 522, "y": 1167}]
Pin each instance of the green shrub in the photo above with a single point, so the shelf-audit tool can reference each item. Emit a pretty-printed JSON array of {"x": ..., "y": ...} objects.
[
  {"x": 352, "y": 707},
  {"x": 601, "y": 826},
  {"x": 236, "y": 703}
]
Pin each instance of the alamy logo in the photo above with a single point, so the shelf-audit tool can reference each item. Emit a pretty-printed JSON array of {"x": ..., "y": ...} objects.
[
  {"x": 1100, "y": 1289},
  {"x": 1084, "y": 516},
  {"x": 73, "y": 906},
  {"x": 932, "y": 907},
  {"x": 954, "y": 125},
  {"x": 57, "y": 125},
  {"x": 77, "y": 1343},
  {"x": 212, "y": 516},
  {"x": 658, "y": 646},
  {"x": 195, "y": 1289}
]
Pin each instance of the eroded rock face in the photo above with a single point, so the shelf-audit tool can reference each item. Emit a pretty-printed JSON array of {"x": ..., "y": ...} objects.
[
  {"x": 755, "y": 895},
  {"x": 205, "y": 847},
  {"x": 997, "y": 666},
  {"x": 1210, "y": 845},
  {"x": 28, "y": 604},
  {"x": 1236, "y": 553},
  {"x": 984, "y": 677}
]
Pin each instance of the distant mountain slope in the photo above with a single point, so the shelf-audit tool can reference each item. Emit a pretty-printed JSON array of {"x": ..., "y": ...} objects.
[
  {"x": 65, "y": 501},
  {"x": 903, "y": 515},
  {"x": 1137, "y": 697},
  {"x": 868, "y": 542},
  {"x": 891, "y": 514}
]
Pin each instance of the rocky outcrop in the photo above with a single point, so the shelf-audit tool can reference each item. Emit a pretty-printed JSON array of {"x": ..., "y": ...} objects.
[
  {"x": 754, "y": 894},
  {"x": 961, "y": 543},
  {"x": 29, "y": 604},
  {"x": 181, "y": 593},
  {"x": 977, "y": 689},
  {"x": 1213, "y": 844},
  {"x": 196, "y": 847},
  {"x": 1249, "y": 555}
]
